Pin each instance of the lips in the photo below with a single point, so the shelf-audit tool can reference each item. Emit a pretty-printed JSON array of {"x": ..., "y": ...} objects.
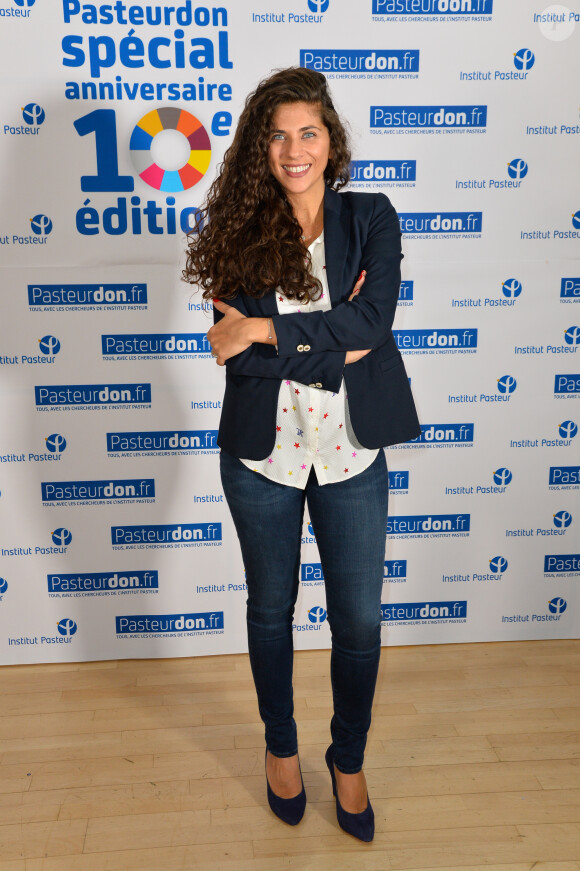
[{"x": 297, "y": 171}]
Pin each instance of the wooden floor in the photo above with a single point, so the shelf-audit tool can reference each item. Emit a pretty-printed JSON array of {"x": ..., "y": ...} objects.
[{"x": 473, "y": 762}]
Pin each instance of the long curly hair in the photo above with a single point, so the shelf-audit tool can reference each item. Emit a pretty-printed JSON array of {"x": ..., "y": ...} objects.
[{"x": 247, "y": 239}]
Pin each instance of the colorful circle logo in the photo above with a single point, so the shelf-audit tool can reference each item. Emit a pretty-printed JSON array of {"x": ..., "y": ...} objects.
[{"x": 170, "y": 149}]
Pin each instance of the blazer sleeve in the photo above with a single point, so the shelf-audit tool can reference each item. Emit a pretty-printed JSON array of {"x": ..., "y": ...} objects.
[
  {"x": 366, "y": 321},
  {"x": 323, "y": 370}
]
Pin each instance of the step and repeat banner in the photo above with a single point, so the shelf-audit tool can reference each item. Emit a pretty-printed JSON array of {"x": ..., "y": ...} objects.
[{"x": 114, "y": 117}]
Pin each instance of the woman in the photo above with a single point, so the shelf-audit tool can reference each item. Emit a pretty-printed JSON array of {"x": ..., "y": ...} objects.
[{"x": 305, "y": 284}]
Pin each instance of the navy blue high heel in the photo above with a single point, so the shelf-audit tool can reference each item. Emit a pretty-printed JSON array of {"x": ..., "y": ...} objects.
[
  {"x": 289, "y": 810},
  {"x": 361, "y": 826}
]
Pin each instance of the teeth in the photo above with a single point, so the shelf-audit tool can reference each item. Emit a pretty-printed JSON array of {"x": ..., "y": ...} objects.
[{"x": 296, "y": 168}]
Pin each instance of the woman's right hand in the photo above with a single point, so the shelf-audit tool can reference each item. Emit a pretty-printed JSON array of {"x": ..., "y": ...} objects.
[{"x": 355, "y": 356}]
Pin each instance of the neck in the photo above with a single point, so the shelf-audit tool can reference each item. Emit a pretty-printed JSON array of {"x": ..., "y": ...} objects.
[{"x": 309, "y": 212}]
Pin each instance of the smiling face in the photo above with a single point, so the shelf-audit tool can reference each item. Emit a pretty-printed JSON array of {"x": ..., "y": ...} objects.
[{"x": 299, "y": 150}]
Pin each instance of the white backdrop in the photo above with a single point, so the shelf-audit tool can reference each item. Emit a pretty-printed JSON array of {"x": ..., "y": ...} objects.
[{"x": 115, "y": 539}]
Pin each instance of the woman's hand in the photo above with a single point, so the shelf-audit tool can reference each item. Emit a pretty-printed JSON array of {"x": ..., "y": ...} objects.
[
  {"x": 355, "y": 356},
  {"x": 358, "y": 285},
  {"x": 230, "y": 336}
]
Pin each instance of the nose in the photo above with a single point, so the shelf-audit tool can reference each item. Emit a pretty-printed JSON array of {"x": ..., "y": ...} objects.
[{"x": 292, "y": 147}]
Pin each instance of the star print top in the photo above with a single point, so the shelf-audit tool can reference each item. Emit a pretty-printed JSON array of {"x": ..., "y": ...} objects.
[{"x": 312, "y": 425}]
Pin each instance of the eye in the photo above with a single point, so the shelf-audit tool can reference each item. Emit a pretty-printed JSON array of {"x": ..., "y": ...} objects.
[
  {"x": 308, "y": 134},
  {"x": 276, "y": 137}
]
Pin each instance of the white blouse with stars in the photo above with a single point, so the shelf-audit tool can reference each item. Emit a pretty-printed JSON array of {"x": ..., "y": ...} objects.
[{"x": 312, "y": 425}]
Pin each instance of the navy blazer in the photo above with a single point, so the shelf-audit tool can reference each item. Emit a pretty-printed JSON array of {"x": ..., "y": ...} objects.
[{"x": 361, "y": 231}]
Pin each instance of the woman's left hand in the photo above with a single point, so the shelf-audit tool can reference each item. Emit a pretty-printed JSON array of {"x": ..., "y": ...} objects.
[{"x": 230, "y": 335}]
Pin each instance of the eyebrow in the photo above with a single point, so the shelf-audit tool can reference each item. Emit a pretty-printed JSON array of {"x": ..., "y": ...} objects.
[{"x": 301, "y": 130}]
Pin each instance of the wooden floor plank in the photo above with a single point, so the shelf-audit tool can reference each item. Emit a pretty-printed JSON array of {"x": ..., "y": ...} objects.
[{"x": 472, "y": 763}]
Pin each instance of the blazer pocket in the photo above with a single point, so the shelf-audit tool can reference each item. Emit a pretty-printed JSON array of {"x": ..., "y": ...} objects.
[{"x": 390, "y": 363}]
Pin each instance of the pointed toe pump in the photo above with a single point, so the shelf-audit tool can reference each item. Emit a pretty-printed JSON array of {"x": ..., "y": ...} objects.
[
  {"x": 289, "y": 810},
  {"x": 361, "y": 826}
]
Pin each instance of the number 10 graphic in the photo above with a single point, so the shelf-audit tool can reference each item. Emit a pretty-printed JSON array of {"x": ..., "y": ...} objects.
[{"x": 102, "y": 122}]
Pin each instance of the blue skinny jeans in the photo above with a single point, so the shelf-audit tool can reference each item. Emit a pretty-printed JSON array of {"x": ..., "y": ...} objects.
[{"x": 349, "y": 519}]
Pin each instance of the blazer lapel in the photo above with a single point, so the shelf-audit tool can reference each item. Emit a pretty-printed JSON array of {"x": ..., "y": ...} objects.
[{"x": 336, "y": 242}]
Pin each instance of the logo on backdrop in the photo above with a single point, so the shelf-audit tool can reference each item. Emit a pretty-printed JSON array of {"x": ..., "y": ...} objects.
[
  {"x": 517, "y": 170},
  {"x": 566, "y": 386},
  {"x": 382, "y": 173},
  {"x": 497, "y": 565},
  {"x": 166, "y": 535},
  {"x": 428, "y": 119},
  {"x": 311, "y": 575},
  {"x": 443, "y": 435},
  {"x": 33, "y": 116},
  {"x": 3, "y": 587},
  {"x": 61, "y": 538},
  {"x": 511, "y": 290},
  {"x": 75, "y": 585},
  {"x": 41, "y": 228},
  {"x": 564, "y": 478},
  {"x": 55, "y": 443},
  {"x": 553, "y": 130},
  {"x": 440, "y": 341},
  {"x": 314, "y": 15},
  {"x": 423, "y": 613},
  {"x": 406, "y": 292},
  {"x": 561, "y": 521},
  {"x": 555, "y": 232},
  {"x": 191, "y": 148},
  {"x": 221, "y": 588},
  {"x": 317, "y": 614},
  {"x": 49, "y": 347},
  {"x": 555, "y": 609},
  {"x": 170, "y": 147},
  {"x": 501, "y": 479},
  {"x": 66, "y": 628},
  {"x": 566, "y": 431},
  {"x": 506, "y": 386},
  {"x": 441, "y": 225},
  {"x": 162, "y": 443},
  {"x": 561, "y": 565},
  {"x": 21, "y": 9},
  {"x": 523, "y": 61},
  {"x": 92, "y": 397},
  {"x": 41, "y": 225},
  {"x": 399, "y": 482},
  {"x": 176, "y": 132},
  {"x": 429, "y": 526},
  {"x": 170, "y": 625},
  {"x": 111, "y": 492},
  {"x": 395, "y": 571},
  {"x": 432, "y": 10},
  {"x": 155, "y": 346},
  {"x": 366, "y": 64},
  {"x": 316, "y": 618},
  {"x": 86, "y": 297}
]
